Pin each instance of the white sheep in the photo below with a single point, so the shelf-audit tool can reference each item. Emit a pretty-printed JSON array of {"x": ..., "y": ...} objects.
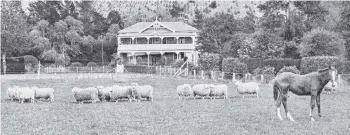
[
  {"x": 145, "y": 91},
  {"x": 12, "y": 93},
  {"x": 85, "y": 94},
  {"x": 120, "y": 92},
  {"x": 103, "y": 93},
  {"x": 184, "y": 90},
  {"x": 202, "y": 90},
  {"x": 329, "y": 88},
  {"x": 44, "y": 93},
  {"x": 218, "y": 90},
  {"x": 248, "y": 88},
  {"x": 26, "y": 93}
]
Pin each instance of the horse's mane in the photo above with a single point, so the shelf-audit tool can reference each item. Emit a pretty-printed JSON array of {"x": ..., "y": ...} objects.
[{"x": 323, "y": 70}]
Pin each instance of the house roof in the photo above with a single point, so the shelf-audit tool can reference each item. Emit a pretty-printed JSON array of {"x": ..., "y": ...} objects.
[{"x": 173, "y": 26}]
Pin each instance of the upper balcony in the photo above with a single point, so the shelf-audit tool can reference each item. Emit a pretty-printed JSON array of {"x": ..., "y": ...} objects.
[
  {"x": 164, "y": 44},
  {"x": 156, "y": 47}
]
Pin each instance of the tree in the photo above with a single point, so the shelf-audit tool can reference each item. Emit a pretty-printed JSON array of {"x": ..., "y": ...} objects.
[
  {"x": 213, "y": 5},
  {"x": 217, "y": 33},
  {"x": 262, "y": 44},
  {"x": 15, "y": 38},
  {"x": 113, "y": 17},
  {"x": 314, "y": 11},
  {"x": 320, "y": 42},
  {"x": 198, "y": 19}
]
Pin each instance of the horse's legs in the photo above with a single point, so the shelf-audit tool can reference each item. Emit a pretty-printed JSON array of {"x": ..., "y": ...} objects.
[
  {"x": 312, "y": 103},
  {"x": 284, "y": 102},
  {"x": 278, "y": 104},
  {"x": 318, "y": 102}
]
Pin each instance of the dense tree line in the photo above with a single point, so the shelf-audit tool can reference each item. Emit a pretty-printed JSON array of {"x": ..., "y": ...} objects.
[{"x": 64, "y": 30}]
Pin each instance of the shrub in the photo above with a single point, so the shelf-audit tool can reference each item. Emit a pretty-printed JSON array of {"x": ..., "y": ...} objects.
[
  {"x": 320, "y": 42},
  {"x": 233, "y": 65},
  {"x": 91, "y": 64},
  {"x": 344, "y": 67},
  {"x": 210, "y": 61},
  {"x": 30, "y": 59},
  {"x": 139, "y": 69},
  {"x": 76, "y": 64},
  {"x": 253, "y": 63},
  {"x": 311, "y": 64},
  {"x": 178, "y": 64},
  {"x": 278, "y": 64},
  {"x": 292, "y": 69}
]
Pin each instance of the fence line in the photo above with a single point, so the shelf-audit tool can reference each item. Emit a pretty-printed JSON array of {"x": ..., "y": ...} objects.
[{"x": 170, "y": 72}]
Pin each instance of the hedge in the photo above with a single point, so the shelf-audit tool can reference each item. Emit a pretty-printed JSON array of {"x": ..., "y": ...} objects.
[
  {"x": 91, "y": 64},
  {"x": 311, "y": 64},
  {"x": 278, "y": 64},
  {"x": 140, "y": 69},
  {"x": 210, "y": 61},
  {"x": 292, "y": 69},
  {"x": 76, "y": 64},
  {"x": 233, "y": 65},
  {"x": 344, "y": 67}
]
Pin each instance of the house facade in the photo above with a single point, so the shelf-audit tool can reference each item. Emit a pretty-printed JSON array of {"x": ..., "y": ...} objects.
[{"x": 149, "y": 43}]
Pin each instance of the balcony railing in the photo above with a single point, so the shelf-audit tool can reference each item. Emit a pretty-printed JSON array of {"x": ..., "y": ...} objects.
[{"x": 155, "y": 47}]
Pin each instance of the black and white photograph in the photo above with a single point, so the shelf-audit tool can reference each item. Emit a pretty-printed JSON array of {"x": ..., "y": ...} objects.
[{"x": 175, "y": 67}]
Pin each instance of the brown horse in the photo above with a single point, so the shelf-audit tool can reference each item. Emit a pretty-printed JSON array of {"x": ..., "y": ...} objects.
[{"x": 308, "y": 84}]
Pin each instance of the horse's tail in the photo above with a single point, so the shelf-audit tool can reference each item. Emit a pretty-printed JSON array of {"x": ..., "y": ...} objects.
[{"x": 275, "y": 90}]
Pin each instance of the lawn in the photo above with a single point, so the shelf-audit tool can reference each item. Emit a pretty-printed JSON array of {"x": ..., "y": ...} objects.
[{"x": 167, "y": 114}]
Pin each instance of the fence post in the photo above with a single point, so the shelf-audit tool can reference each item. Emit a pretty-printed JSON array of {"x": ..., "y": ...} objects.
[
  {"x": 262, "y": 78},
  {"x": 4, "y": 63},
  {"x": 212, "y": 74},
  {"x": 338, "y": 79},
  {"x": 233, "y": 77},
  {"x": 39, "y": 69},
  {"x": 194, "y": 74},
  {"x": 222, "y": 75},
  {"x": 160, "y": 70},
  {"x": 202, "y": 74}
]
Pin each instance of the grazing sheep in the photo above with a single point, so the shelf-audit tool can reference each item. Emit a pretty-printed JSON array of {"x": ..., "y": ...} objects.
[
  {"x": 85, "y": 94},
  {"x": 218, "y": 90},
  {"x": 248, "y": 88},
  {"x": 26, "y": 93},
  {"x": 44, "y": 93},
  {"x": 12, "y": 93},
  {"x": 184, "y": 90},
  {"x": 202, "y": 90},
  {"x": 329, "y": 88},
  {"x": 145, "y": 91},
  {"x": 120, "y": 92},
  {"x": 103, "y": 93}
]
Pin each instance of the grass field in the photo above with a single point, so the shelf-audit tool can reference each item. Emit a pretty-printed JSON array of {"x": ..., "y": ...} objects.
[{"x": 166, "y": 114}]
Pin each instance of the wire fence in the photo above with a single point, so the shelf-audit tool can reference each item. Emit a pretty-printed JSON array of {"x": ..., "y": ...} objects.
[{"x": 169, "y": 71}]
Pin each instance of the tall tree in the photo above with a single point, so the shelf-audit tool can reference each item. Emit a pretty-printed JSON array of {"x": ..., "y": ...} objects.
[
  {"x": 198, "y": 19},
  {"x": 314, "y": 11},
  {"x": 14, "y": 29}
]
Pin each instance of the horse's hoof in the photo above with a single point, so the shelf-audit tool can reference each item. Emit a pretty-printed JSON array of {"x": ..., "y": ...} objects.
[{"x": 312, "y": 119}]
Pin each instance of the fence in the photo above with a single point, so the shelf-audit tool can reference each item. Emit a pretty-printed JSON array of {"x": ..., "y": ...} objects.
[{"x": 175, "y": 72}]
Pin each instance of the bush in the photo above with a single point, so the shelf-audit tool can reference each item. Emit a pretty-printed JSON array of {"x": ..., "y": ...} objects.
[
  {"x": 344, "y": 67},
  {"x": 311, "y": 64},
  {"x": 210, "y": 61},
  {"x": 278, "y": 64},
  {"x": 178, "y": 64},
  {"x": 91, "y": 64},
  {"x": 253, "y": 63},
  {"x": 76, "y": 64},
  {"x": 233, "y": 65},
  {"x": 320, "y": 42},
  {"x": 292, "y": 69},
  {"x": 140, "y": 69},
  {"x": 30, "y": 59}
]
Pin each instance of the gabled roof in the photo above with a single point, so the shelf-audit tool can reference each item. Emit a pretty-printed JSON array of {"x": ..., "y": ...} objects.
[{"x": 172, "y": 26}]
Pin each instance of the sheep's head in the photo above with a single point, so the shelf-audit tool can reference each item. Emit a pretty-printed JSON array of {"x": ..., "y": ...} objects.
[
  {"x": 237, "y": 83},
  {"x": 99, "y": 88},
  {"x": 134, "y": 84}
]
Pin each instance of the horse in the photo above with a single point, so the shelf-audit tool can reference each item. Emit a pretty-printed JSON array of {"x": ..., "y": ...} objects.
[{"x": 301, "y": 85}]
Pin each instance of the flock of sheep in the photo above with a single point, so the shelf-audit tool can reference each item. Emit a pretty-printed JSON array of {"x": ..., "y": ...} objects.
[{"x": 135, "y": 92}]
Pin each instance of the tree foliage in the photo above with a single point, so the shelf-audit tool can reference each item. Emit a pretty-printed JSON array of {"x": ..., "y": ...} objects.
[{"x": 320, "y": 42}]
